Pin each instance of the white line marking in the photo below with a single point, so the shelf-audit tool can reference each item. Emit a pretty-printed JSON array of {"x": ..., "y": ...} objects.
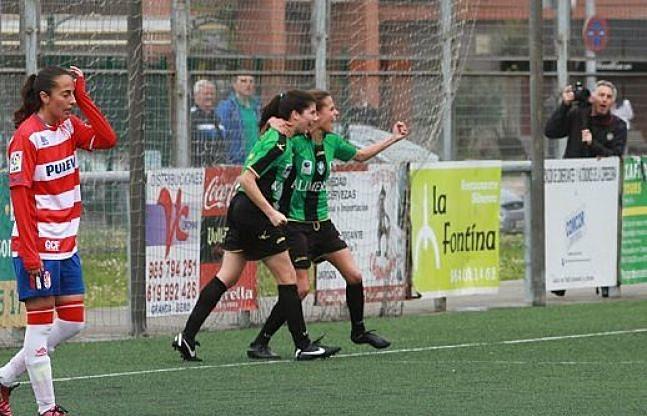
[{"x": 360, "y": 354}]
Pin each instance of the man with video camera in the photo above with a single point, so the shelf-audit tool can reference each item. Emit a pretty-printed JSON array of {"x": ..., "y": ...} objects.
[
  {"x": 592, "y": 130},
  {"x": 587, "y": 121}
]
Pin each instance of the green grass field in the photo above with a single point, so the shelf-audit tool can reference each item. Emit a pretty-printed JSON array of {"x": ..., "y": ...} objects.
[{"x": 441, "y": 364}]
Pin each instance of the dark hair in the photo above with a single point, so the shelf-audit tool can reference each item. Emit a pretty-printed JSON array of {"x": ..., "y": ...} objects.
[
  {"x": 319, "y": 95},
  {"x": 282, "y": 105},
  {"x": 45, "y": 80}
]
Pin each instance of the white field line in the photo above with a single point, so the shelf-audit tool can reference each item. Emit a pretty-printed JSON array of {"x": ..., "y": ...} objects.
[{"x": 363, "y": 354}]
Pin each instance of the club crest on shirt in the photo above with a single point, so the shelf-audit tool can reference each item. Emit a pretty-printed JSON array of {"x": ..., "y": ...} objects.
[
  {"x": 306, "y": 167},
  {"x": 321, "y": 167},
  {"x": 15, "y": 162},
  {"x": 287, "y": 170}
]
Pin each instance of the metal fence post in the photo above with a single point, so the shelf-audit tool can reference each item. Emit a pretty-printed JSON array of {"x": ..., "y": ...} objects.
[
  {"x": 538, "y": 281},
  {"x": 137, "y": 169},
  {"x": 319, "y": 42},
  {"x": 30, "y": 21},
  {"x": 179, "y": 27}
]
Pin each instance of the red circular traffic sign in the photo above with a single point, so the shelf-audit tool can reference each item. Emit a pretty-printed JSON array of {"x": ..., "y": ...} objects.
[{"x": 596, "y": 33}]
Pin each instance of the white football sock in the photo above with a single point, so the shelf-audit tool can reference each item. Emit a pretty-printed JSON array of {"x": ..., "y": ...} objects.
[
  {"x": 39, "y": 366},
  {"x": 61, "y": 332}
]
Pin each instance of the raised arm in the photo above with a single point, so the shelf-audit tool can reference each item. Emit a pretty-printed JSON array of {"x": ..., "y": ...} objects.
[
  {"x": 400, "y": 131},
  {"x": 97, "y": 134}
]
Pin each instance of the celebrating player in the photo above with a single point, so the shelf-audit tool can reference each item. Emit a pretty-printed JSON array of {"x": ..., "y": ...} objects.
[
  {"x": 311, "y": 234},
  {"x": 255, "y": 229}
]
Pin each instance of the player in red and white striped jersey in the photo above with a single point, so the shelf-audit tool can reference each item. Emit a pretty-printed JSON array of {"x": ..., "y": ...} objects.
[{"x": 46, "y": 197}]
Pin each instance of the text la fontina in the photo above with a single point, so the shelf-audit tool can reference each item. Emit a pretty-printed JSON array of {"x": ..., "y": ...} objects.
[{"x": 471, "y": 238}]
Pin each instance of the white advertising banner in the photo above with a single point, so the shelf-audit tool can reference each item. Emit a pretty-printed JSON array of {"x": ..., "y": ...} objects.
[
  {"x": 173, "y": 210},
  {"x": 365, "y": 206},
  {"x": 581, "y": 215}
]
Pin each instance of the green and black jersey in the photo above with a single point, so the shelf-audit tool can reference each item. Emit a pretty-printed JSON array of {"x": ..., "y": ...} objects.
[
  {"x": 270, "y": 160},
  {"x": 305, "y": 197}
]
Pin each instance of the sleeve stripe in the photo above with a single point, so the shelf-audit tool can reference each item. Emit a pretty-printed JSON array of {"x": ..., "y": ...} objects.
[{"x": 251, "y": 169}]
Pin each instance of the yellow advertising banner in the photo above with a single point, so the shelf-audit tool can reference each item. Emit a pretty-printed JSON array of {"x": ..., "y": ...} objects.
[{"x": 455, "y": 227}]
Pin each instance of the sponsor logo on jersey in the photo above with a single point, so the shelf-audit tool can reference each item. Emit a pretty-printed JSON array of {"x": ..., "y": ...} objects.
[
  {"x": 306, "y": 167},
  {"x": 61, "y": 166},
  {"x": 52, "y": 245},
  {"x": 15, "y": 162}
]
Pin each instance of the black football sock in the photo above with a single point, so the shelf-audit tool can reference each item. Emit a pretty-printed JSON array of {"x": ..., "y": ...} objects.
[
  {"x": 290, "y": 307},
  {"x": 208, "y": 299},
  {"x": 355, "y": 302},
  {"x": 272, "y": 324}
]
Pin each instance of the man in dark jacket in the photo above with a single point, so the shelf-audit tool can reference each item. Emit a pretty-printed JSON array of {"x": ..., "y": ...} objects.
[
  {"x": 208, "y": 146},
  {"x": 591, "y": 128}
]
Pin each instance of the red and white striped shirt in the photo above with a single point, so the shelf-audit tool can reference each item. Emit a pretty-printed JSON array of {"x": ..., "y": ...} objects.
[{"x": 45, "y": 183}]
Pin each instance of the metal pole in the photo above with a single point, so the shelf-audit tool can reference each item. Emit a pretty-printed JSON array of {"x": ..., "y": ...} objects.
[
  {"x": 30, "y": 30},
  {"x": 591, "y": 67},
  {"x": 538, "y": 281},
  {"x": 557, "y": 147},
  {"x": 179, "y": 25},
  {"x": 319, "y": 41},
  {"x": 446, "y": 26},
  {"x": 137, "y": 169}
]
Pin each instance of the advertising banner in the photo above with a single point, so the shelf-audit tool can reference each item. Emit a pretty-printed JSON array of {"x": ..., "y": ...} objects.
[
  {"x": 219, "y": 184},
  {"x": 633, "y": 254},
  {"x": 365, "y": 203},
  {"x": 12, "y": 312},
  {"x": 173, "y": 211},
  {"x": 581, "y": 214},
  {"x": 455, "y": 227}
]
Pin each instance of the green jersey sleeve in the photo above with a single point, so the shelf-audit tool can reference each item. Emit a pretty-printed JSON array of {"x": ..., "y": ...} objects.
[
  {"x": 266, "y": 153},
  {"x": 344, "y": 150}
]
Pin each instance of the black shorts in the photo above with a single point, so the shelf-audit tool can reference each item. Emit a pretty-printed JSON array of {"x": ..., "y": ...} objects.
[
  {"x": 250, "y": 232},
  {"x": 311, "y": 241}
]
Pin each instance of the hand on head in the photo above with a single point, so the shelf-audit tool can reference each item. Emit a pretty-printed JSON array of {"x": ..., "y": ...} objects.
[{"x": 79, "y": 80}]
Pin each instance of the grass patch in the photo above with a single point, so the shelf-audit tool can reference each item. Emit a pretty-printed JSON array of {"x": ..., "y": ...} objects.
[
  {"x": 105, "y": 266},
  {"x": 480, "y": 374},
  {"x": 512, "y": 264}
]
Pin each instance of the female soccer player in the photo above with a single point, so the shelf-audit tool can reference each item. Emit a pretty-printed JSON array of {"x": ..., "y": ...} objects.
[
  {"x": 45, "y": 193},
  {"x": 311, "y": 234},
  {"x": 255, "y": 229}
]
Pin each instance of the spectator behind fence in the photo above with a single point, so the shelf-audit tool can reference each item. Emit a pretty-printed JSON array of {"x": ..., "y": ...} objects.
[
  {"x": 239, "y": 114},
  {"x": 624, "y": 111},
  {"x": 208, "y": 146},
  {"x": 592, "y": 130}
]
